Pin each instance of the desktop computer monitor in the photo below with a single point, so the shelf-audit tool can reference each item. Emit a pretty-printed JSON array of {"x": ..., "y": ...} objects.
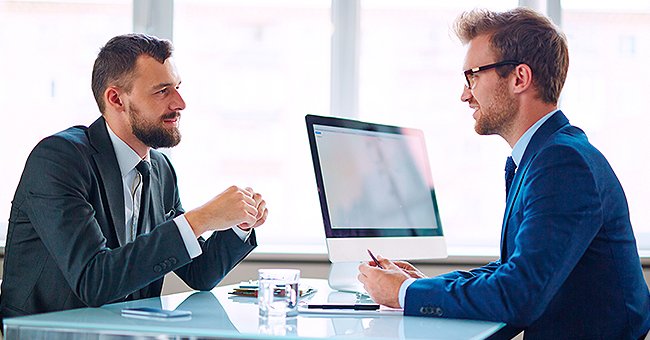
[{"x": 376, "y": 192}]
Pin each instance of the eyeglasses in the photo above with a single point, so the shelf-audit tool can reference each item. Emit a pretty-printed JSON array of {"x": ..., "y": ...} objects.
[{"x": 469, "y": 74}]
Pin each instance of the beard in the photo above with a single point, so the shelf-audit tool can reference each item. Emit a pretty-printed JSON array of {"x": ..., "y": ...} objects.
[
  {"x": 152, "y": 134},
  {"x": 498, "y": 116}
]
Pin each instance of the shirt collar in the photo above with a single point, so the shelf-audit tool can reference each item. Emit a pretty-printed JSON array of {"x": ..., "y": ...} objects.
[
  {"x": 127, "y": 159},
  {"x": 520, "y": 147}
]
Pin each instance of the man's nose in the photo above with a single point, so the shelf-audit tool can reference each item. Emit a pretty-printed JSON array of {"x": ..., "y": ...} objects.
[
  {"x": 466, "y": 95},
  {"x": 178, "y": 103}
]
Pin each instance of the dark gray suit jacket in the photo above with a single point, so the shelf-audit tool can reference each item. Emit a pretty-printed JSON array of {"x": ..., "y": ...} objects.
[{"x": 66, "y": 243}]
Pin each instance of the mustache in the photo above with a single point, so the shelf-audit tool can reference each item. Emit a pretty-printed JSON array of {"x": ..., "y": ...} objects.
[{"x": 171, "y": 115}]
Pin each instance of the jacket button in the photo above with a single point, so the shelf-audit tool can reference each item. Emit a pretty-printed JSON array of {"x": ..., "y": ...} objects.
[
  {"x": 173, "y": 260},
  {"x": 157, "y": 268},
  {"x": 439, "y": 311},
  {"x": 427, "y": 310}
]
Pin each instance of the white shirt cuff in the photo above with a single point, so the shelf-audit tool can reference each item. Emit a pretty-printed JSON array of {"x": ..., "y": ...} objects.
[
  {"x": 191, "y": 243},
  {"x": 402, "y": 291},
  {"x": 243, "y": 235}
]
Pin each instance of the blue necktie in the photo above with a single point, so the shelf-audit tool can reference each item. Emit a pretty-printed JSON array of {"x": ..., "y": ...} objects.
[{"x": 510, "y": 174}]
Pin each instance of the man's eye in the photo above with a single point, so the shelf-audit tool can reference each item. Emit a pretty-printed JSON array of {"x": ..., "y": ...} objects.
[{"x": 163, "y": 91}]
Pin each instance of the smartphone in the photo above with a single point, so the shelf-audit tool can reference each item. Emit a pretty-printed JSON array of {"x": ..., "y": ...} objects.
[{"x": 155, "y": 313}]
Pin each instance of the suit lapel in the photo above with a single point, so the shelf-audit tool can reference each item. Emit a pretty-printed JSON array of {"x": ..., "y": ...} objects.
[
  {"x": 552, "y": 125},
  {"x": 110, "y": 178}
]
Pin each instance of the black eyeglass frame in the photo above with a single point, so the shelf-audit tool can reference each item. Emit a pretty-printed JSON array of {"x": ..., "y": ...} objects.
[{"x": 475, "y": 70}]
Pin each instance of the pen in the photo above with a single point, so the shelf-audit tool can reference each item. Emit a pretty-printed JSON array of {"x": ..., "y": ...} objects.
[
  {"x": 366, "y": 306},
  {"x": 374, "y": 259}
]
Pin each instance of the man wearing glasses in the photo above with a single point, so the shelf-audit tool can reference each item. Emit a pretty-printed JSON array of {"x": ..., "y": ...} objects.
[{"x": 569, "y": 266}]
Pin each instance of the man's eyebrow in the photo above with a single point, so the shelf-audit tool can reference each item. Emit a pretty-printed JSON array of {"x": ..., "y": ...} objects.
[{"x": 163, "y": 85}]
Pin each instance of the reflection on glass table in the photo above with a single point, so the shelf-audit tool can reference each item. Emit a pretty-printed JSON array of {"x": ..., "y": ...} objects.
[{"x": 217, "y": 314}]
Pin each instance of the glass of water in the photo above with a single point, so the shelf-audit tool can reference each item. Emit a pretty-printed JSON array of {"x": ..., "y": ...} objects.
[{"x": 278, "y": 293}]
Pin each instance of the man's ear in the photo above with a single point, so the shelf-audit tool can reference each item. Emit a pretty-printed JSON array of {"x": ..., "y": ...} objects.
[
  {"x": 523, "y": 78},
  {"x": 112, "y": 98}
]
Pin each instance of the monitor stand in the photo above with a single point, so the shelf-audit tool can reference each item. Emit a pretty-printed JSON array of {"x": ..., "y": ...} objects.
[{"x": 343, "y": 277}]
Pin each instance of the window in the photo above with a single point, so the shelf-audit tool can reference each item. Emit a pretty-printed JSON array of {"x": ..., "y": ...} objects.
[
  {"x": 411, "y": 75},
  {"x": 251, "y": 71},
  {"x": 606, "y": 91},
  {"x": 48, "y": 50}
]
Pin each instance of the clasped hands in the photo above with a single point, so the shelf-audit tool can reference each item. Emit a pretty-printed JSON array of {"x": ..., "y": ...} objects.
[
  {"x": 383, "y": 284},
  {"x": 235, "y": 206}
]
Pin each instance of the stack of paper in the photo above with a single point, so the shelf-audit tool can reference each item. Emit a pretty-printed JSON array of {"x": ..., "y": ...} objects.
[{"x": 249, "y": 288}]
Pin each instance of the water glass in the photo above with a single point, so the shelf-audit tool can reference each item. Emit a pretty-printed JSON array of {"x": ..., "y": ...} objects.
[{"x": 278, "y": 293}]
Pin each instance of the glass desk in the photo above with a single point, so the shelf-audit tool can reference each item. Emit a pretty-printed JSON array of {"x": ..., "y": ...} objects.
[{"x": 217, "y": 314}]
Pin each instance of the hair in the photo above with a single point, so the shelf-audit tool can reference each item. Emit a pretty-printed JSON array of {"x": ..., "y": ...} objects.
[
  {"x": 526, "y": 36},
  {"x": 116, "y": 61}
]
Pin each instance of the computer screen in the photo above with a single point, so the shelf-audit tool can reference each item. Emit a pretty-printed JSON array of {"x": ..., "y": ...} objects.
[{"x": 375, "y": 189}]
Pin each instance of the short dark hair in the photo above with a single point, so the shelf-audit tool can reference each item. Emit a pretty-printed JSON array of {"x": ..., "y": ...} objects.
[
  {"x": 116, "y": 61},
  {"x": 526, "y": 36}
]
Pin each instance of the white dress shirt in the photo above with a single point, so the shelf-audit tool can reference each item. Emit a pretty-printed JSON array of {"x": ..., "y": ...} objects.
[
  {"x": 517, "y": 154},
  {"x": 127, "y": 159}
]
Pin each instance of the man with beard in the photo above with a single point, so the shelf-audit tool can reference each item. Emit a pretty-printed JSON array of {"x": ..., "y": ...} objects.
[
  {"x": 97, "y": 217},
  {"x": 569, "y": 266}
]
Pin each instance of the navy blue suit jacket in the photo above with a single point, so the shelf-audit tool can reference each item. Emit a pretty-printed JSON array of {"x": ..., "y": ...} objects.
[
  {"x": 569, "y": 266},
  {"x": 66, "y": 245}
]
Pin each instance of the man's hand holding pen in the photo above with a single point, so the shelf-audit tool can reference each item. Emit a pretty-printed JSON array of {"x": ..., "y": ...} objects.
[
  {"x": 410, "y": 269},
  {"x": 383, "y": 284}
]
